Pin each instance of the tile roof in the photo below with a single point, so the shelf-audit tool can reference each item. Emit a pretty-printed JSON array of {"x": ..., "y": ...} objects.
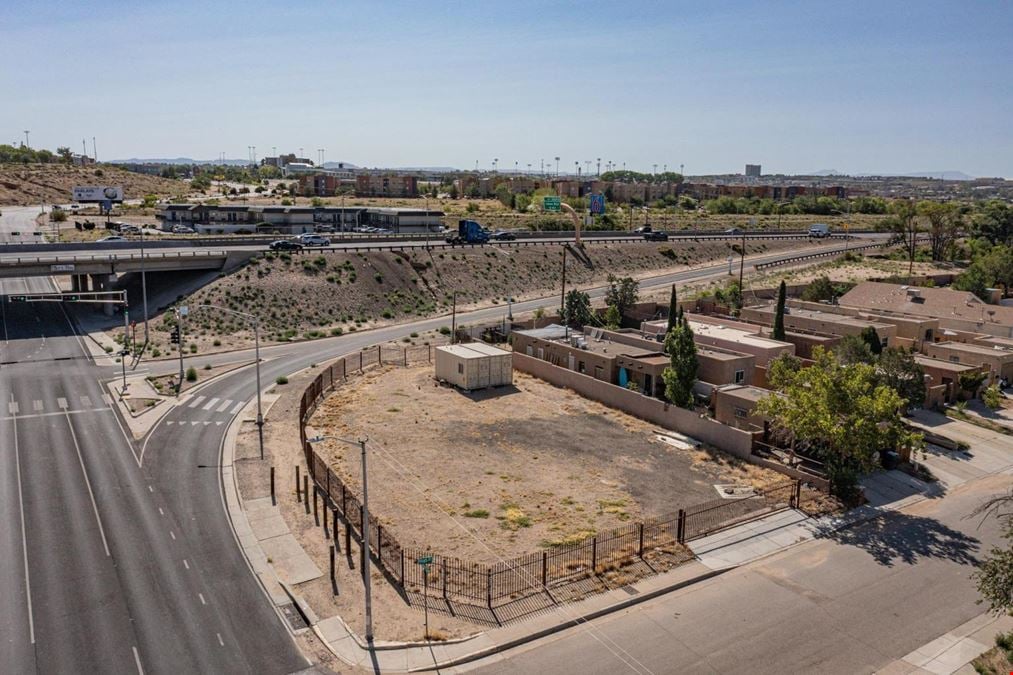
[{"x": 941, "y": 303}]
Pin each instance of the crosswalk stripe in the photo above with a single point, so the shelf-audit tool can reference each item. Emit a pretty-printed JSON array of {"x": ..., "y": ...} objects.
[
  {"x": 239, "y": 406},
  {"x": 168, "y": 422},
  {"x": 196, "y": 402},
  {"x": 85, "y": 401},
  {"x": 193, "y": 424},
  {"x": 211, "y": 404},
  {"x": 37, "y": 406},
  {"x": 224, "y": 405}
]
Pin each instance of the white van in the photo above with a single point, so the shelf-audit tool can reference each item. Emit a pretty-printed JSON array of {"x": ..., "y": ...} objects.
[{"x": 819, "y": 230}]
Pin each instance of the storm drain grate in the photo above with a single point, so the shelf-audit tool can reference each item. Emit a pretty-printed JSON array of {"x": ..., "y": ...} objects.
[{"x": 294, "y": 618}]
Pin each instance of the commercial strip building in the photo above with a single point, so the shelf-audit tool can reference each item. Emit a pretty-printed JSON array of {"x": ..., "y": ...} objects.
[{"x": 231, "y": 219}]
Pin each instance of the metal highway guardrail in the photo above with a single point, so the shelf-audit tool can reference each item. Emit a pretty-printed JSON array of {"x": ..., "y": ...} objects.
[{"x": 819, "y": 254}]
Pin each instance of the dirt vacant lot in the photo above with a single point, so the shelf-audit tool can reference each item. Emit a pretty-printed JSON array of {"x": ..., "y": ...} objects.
[{"x": 506, "y": 471}]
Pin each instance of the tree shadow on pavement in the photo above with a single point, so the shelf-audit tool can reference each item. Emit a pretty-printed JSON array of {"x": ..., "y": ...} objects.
[{"x": 899, "y": 537}]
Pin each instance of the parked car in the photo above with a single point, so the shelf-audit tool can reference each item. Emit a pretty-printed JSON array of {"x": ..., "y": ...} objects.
[
  {"x": 819, "y": 230},
  {"x": 642, "y": 229},
  {"x": 655, "y": 236},
  {"x": 733, "y": 230},
  {"x": 110, "y": 239},
  {"x": 183, "y": 229},
  {"x": 324, "y": 228},
  {"x": 285, "y": 245},
  {"x": 130, "y": 229},
  {"x": 314, "y": 240},
  {"x": 503, "y": 235}
]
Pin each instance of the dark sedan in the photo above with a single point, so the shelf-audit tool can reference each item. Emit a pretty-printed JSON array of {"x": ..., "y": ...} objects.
[
  {"x": 285, "y": 245},
  {"x": 655, "y": 236}
]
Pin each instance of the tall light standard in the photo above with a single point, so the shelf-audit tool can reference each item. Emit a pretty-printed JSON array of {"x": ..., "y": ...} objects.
[
  {"x": 495, "y": 164},
  {"x": 252, "y": 318},
  {"x": 144, "y": 290},
  {"x": 599, "y": 167},
  {"x": 26, "y": 140},
  {"x": 365, "y": 527},
  {"x": 557, "y": 167}
]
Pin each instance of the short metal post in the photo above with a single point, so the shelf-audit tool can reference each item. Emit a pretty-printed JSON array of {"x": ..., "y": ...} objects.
[
  {"x": 348, "y": 539},
  {"x": 334, "y": 583},
  {"x": 680, "y": 528},
  {"x": 298, "y": 494},
  {"x": 402, "y": 567},
  {"x": 488, "y": 587},
  {"x": 640, "y": 547},
  {"x": 274, "y": 502},
  {"x": 316, "y": 509},
  {"x": 305, "y": 492},
  {"x": 594, "y": 554},
  {"x": 443, "y": 573},
  {"x": 327, "y": 533},
  {"x": 545, "y": 569},
  {"x": 334, "y": 526}
]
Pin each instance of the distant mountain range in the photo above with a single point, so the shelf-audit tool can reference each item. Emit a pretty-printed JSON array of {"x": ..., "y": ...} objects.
[{"x": 941, "y": 175}]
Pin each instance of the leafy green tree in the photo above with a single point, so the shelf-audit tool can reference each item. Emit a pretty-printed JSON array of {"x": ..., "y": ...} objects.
[
  {"x": 853, "y": 349},
  {"x": 871, "y": 338},
  {"x": 778, "y": 331},
  {"x": 577, "y": 308},
  {"x": 680, "y": 375},
  {"x": 945, "y": 222},
  {"x": 903, "y": 222},
  {"x": 622, "y": 293},
  {"x": 992, "y": 397},
  {"x": 57, "y": 216},
  {"x": 993, "y": 220},
  {"x": 65, "y": 154},
  {"x": 897, "y": 369},
  {"x": 840, "y": 412},
  {"x": 994, "y": 576},
  {"x": 971, "y": 382},
  {"x": 613, "y": 318},
  {"x": 820, "y": 290}
]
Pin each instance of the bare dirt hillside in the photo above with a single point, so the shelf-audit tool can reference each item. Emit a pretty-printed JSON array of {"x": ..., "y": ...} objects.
[
  {"x": 27, "y": 184},
  {"x": 314, "y": 294}
]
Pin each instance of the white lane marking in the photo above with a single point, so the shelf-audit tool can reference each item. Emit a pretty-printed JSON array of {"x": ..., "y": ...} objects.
[
  {"x": 202, "y": 600},
  {"x": 220, "y": 641},
  {"x": 87, "y": 482},
  {"x": 211, "y": 404},
  {"x": 61, "y": 403},
  {"x": 24, "y": 538},
  {"x": 107, "y": 399},
  {"x": 160, "y": 511},
  {"x": 186, "y": 564},
  {"x": 193, "y": 424},
  {"x": 13, "y": 406},
  {"x": 85, "y": 401},
  {"x": 37, "y": 406},
  {"x": 224, "y": 405},
  {"x": 169, "y": 422},
  {"x": 219, "y": 423},
  {"x": 55, "y": 414},
  {"x": 172, "y": 534},
  {"x": 137, "y": 662},
  {"x": 206, "y": 423},
  {"x": 239, "y": 406},
  {"x": 196, "y": 402},
  {"x": 151, "y": 489}
]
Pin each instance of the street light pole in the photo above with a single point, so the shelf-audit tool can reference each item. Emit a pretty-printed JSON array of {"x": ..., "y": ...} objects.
[
  {"x": 365, "y": 546},
  {"x": 144, "y": 290}
]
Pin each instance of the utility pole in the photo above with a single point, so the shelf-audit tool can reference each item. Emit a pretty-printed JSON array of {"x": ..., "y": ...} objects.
[
  {"x": 599, "y": 167},
  {"x": 557, "y": 166},
  {"x": 365, "y": 545},
  {"x": 144, "y": 291},
  {"x": 94, "y": 150},
  {"x": 26, "y": 140},
  {"x": 180, "y": 316},
  {"x": 742, "y": 265},
  {"x": 562, "y": 292}
]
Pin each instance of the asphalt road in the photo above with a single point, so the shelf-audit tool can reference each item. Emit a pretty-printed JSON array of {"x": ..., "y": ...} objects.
[{"x": 106, "y": 566}]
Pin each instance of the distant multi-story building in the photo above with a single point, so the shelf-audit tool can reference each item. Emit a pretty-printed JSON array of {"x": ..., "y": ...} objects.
[
  {"x": 752, "y": 170},
  {"x": 386, "y": 185},
  {"x": 281, "y": 161}
]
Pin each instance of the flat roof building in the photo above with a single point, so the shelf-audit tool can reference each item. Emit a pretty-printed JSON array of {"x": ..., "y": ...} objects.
[{"x": 998, "y": 362}]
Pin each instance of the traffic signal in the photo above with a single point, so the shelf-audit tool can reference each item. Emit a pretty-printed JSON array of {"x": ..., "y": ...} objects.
[
  {"x": 19, "y": 298},
  {"x": 71, "y": 298},
  {"x": 174, "y": 335}
]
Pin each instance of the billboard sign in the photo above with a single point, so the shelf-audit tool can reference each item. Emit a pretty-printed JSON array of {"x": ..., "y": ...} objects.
[
  {"x": 597, "y": 203},
  {"x": 550, "y": 204},
  {"x": 98, "y": 193}
]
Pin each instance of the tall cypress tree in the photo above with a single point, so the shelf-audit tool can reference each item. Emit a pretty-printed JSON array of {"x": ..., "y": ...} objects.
[
  {"x": 680, "y": 375},
  {"x": 673, "y": 311},
  {"x": 778, "y": 332}
]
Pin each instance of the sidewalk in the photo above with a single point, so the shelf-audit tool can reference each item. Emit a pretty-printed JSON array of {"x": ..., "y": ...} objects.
[{"x": 953, "y": 652}]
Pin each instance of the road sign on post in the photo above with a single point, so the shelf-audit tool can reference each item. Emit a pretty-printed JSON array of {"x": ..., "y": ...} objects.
[
  {"x": 551, "y": 204},
  {"x": 425, "y": 562},
  {"x": 597, "y": 204}
]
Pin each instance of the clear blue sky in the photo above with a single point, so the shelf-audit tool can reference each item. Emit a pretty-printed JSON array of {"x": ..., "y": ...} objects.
[{"x": 797, "y": 86}]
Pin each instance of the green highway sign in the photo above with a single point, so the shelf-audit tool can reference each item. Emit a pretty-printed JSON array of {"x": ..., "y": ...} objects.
[{"x": 550, "y": 203}]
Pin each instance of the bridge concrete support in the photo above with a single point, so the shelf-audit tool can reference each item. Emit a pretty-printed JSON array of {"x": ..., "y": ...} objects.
[
  {"x": 103, "y": 282},
  {"x": 79, "y": 283}
]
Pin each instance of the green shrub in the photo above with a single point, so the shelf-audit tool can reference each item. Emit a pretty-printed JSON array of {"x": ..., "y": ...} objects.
[
  {"x": 281, "y": 379},
  {"x": 337, "y": 331},
  {"x": 476, "y": 513},
  {"x": 191, "y": 374}
]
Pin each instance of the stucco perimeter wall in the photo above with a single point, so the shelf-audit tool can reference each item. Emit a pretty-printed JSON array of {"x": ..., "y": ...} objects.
[{"x": 733, "y": 441}]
